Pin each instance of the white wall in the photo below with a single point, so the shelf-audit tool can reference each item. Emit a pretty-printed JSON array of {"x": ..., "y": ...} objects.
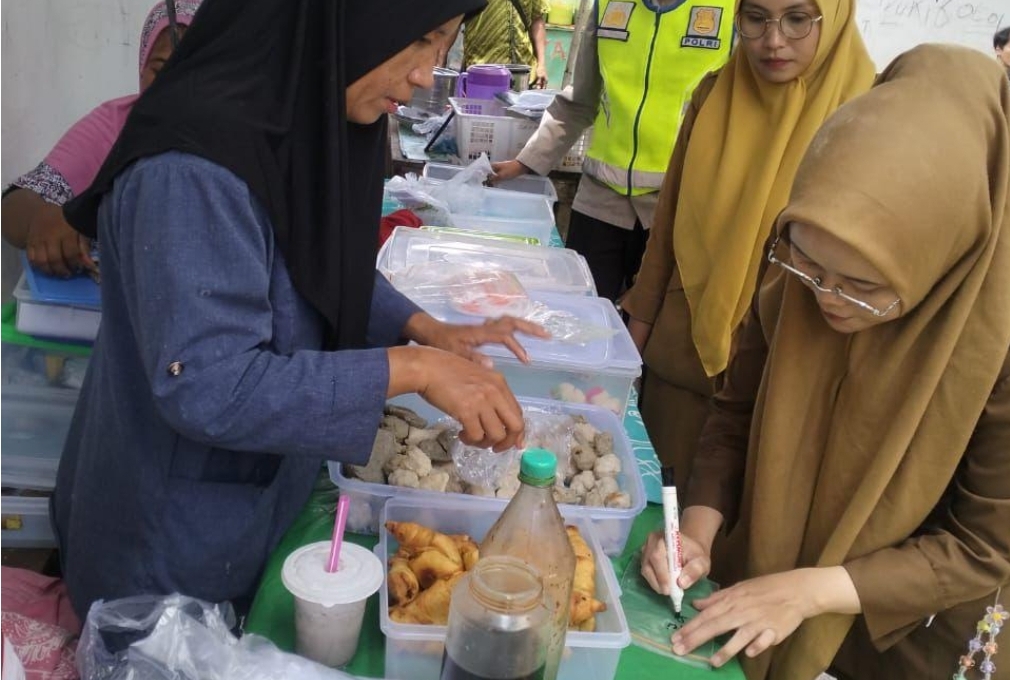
[{"x": 60, "y": 59}]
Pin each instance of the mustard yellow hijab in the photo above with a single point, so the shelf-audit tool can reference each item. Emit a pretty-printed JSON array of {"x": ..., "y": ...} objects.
[
  {"x": 856, "y": 437},
  {"x": 741, "y": 159}
]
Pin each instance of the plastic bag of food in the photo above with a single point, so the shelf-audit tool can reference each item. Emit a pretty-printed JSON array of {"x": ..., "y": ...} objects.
[
  {"x": 545, "y": 429},
  {"x": 415, "y": 193}
]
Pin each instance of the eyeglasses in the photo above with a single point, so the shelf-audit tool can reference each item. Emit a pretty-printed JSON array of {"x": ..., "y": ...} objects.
[
  {"x": 815, "y": 283},
  {"x": 793, "y": 25}
]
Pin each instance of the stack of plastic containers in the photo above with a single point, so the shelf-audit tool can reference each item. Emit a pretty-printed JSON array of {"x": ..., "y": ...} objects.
[
  {"x": 45, "y": 349},
  {"x": 62, "y": 309},
  {"x": 40, "y": 387}
]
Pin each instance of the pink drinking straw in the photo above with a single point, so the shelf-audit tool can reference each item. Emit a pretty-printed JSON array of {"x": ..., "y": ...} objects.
[{"x": 339, "y": 522}]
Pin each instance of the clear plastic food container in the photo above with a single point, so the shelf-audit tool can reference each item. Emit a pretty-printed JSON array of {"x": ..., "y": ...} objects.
[
  {"x": 415, "y": 651},
  {"x": 410, "y": 252},
  {"x": 612, "y": 525}
]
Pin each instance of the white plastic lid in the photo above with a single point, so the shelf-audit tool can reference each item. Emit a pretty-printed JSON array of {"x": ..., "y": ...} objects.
[
  {"x": 615, "y": 353},
  {"x": 359, "y": 574}
]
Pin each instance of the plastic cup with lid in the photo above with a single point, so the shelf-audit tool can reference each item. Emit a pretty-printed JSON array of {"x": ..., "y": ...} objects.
[{"x": 330, "y": 606}]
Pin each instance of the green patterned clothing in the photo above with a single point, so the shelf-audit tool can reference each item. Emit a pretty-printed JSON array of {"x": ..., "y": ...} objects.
[{"x": 497, "y": 35}]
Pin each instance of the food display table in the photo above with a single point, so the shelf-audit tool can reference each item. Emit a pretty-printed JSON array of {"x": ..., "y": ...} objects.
[{"x": 272, "y": 612}]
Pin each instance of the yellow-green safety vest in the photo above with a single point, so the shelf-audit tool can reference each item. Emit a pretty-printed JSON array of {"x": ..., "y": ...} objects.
[{"x": 651, "y": 59}]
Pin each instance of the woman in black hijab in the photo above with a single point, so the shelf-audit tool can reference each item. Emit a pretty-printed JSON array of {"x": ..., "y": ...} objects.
[{"x": 238, "y": 216}]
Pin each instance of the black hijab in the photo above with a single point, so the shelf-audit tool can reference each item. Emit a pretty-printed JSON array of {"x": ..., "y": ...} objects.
[{"x": 258, "y": 86}]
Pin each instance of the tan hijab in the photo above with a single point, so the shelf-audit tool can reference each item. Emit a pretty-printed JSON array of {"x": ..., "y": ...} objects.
[
  {"x": 746, "y": 143},
  {"x": 856, "y": 437}
]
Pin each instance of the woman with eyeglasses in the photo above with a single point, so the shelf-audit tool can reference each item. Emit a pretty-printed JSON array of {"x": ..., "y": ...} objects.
[
  {"x": 860, "y": 445},
  {"x": 742, "y": 137}
]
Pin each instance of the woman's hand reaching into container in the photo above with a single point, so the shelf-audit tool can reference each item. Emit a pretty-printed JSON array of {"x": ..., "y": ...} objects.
[
  {"x": 504, "y": 170},
  {"x": 476, "y": 396}
]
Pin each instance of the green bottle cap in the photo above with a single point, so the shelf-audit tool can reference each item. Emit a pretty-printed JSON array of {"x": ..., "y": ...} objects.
[{"x": 537, "y": 467}]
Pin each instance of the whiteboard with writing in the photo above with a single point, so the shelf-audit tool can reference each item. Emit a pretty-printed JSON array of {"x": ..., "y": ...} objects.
[{"x": 890, "y": 27}]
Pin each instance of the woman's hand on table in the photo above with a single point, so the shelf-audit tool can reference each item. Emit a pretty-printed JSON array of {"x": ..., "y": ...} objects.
[
  {"x": 764, "y": 611},
  {"x": 477, "y": 397},
  {"x": 464, "y": 339}
]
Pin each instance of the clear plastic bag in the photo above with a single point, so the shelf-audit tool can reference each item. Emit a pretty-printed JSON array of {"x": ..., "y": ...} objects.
[
  {"x": 652, "y": 620},
  {"x": 484, "y": 467},
  {"x": 464, "y": 192},
  {"x": 488, "y": 293},
  {"x": 414, "y": 192},
  {"x": 491, "y": 292},
  {"x": 176, "y": 637},
  {"x": 435, "y": 201}
]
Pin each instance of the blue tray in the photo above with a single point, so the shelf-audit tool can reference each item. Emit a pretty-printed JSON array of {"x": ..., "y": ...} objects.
[{"x": 77, "y": 291}]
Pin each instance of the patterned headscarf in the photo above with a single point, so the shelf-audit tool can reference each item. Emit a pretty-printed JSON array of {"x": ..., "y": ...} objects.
[
  {"x": 73, "y": 162},
  {"x": 157, "y": 21}
]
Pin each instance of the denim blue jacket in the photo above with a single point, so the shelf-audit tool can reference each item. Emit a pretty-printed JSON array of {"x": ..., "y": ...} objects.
[{"x": 208, "y": 407}]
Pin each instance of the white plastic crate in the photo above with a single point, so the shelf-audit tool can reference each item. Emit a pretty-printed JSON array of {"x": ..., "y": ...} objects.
[
  {"x": 415, "y": 651},
  {"x": 24, "y": 522},
  {"x": 572, "y": 160},
  {"x": 612, "y": 525},
  {"x": 483, "y": 127}
]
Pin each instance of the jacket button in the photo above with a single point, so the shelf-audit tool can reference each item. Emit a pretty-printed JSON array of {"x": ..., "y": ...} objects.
[{"x": 175, "y": 369}]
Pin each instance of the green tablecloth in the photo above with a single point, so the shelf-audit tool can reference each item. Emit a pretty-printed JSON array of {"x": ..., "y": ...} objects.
[{"x": 272, "y": 611}]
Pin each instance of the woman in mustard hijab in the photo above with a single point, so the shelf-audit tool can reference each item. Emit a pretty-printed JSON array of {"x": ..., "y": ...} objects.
[
  {"x": 860, "y": 446},
  {"x": 742, "y": 138}
]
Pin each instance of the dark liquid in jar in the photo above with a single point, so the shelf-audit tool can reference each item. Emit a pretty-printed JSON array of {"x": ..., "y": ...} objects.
[{"x": 453, "y": 671}]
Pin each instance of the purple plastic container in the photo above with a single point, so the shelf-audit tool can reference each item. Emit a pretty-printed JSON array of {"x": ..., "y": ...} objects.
[{"x": 483, "y": 81}]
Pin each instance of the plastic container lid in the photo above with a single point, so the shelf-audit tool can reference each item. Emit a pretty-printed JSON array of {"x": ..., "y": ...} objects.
[
  {"x": 614, "y": 354},
  {"x": 77, "y": 291},
  {"x": 537, "y": 466},
  {"x": 359, "y": 574},
  {"x": 559, "y": 270}
]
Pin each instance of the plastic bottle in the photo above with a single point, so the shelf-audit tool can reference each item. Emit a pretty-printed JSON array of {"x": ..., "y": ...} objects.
[
  {"x": 498, "y": 623},
  {"x": 531, "y": 529}
]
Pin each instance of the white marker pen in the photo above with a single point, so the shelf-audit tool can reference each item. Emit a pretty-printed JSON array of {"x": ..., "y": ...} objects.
[{"x": 674, "y": 549}]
